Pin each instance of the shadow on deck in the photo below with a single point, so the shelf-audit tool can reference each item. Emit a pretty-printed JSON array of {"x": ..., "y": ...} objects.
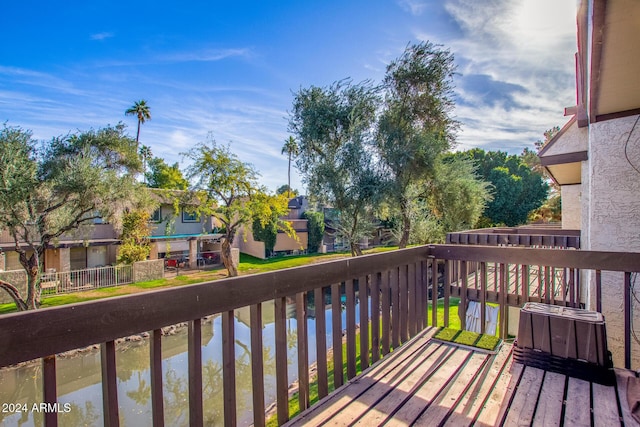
[{"x": 427, "y": 382}]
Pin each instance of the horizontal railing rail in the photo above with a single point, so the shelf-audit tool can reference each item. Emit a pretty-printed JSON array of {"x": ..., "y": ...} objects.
[
  {"x": 399, "y": 285},
  {"x": 515, "y": 237}
]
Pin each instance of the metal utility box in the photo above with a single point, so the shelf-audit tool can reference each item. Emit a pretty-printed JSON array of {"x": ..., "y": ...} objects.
[{"x": 564, "y": 332}]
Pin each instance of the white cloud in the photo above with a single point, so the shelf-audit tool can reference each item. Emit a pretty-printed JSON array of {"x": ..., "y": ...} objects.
[
  {"x": 527, "y": 44},
  {"x": 205, "y": 55},
  {"x": 101, "y": 36},
  {"x": 415, "y": 7}
]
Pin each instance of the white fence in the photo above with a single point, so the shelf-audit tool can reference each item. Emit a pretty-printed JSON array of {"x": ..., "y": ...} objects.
[{"x": 81, "y": 280}]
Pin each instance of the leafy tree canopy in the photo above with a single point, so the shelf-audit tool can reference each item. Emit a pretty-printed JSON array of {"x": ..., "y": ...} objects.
[
  {"x": 161, "y": 175},
  {"x": 517, "y": 190},
  {"x": 59, "y": 188},
  {"x": 230, "y": 192},
  {"x": 416, "y": 126},
  {"x": 315, "y": 227},
  {"x": 334, "y": 128},
  {"x": 284, "y": 189}
]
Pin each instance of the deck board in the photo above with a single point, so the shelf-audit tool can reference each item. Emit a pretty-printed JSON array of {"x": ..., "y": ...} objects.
[
  {"x": 426, "y": 382},
  {"x": 406, "y": 408},
  {"x": 387, "y": 398},
  {"x": 578, "y": 399},
  {"x": 494, "y": 410},
  {"x": 457, "y": 388},
  {"x": 549, "y": 408},
  {"x": 473, "y": 400},
  {"x": 605, "y": 408}
]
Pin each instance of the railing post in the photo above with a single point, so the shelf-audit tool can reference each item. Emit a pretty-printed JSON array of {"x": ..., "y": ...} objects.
[
  {"x": 375, "y": 317},
  {"x": 363, "y": 295},
  {"x": 434, "y": 289},
  {"x": 462, "y": 309},
  {"x": 503, "y": 327},
  {"x": 351, "y": 329},
  {"x": 599, "y": 291},
  {"x": 257, "y": 365},
  {"x": 155, "y": 365},
  {"x": 303, "y": 359},
  {"x": 386, "y": 309},
  {"x": 336, "y": 334},
  {"x": 447, "y": 291},
  {"x": 194, "y": 356},
  {"x": 49, "y": 392},
  {"x": 109, "y": 384},
  {"x": 229, "y": 368},
  {"x": 282, "y": 381},
  {"x": 321, "y": 343},
  {"x": 483, "y": 297},
  {"x": 627, "y": 320}
]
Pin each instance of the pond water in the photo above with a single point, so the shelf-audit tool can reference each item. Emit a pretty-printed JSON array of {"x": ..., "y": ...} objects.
[{"x": 80, "y": 389}]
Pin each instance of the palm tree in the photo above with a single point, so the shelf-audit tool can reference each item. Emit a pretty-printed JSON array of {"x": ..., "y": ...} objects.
[
  {"x": 146, "y": 154},
  {"x": 142, "y": 111},
  {"x": 290, "y": 148}
]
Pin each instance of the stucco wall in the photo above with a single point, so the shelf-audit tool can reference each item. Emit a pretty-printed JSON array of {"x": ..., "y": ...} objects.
[
  {"x": 574, "y": 140},
  {"x": 612, "y": 213},
  {"x": 571, "y": 206},
  {"x": 245, "y": 243},
  {"x": 178, "y": 226},
  {"x": 286, "y": 243},
  {"x": 148, "y": 270}
]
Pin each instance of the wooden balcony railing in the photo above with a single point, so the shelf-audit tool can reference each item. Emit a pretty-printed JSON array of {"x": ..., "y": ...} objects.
[
  {"x": 398, "y": 284},
  {"x": 548, "y": 237}
]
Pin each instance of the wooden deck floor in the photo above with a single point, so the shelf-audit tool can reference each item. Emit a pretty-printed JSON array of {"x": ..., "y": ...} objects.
[{"x": 431, "y": 383}]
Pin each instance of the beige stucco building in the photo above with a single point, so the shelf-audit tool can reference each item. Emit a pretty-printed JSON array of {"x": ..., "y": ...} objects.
[{"x": 596, "y": 156}]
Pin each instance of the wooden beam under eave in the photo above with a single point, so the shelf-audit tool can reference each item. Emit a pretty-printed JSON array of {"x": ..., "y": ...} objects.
[{"x": 599, "y": 12}]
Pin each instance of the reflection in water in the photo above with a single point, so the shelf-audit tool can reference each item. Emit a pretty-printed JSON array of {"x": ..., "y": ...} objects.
[{"x": 79, "y": 377}]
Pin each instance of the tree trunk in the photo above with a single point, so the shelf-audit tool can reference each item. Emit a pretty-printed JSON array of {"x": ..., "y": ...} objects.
[
  {"x": 227, "y": 260},
  {"x": 289, "y": 177},
  {"x": 355, "y": 249},
  {"x": 31, "y": 267},
  {"x": 406, "y": 225},
  {"x": 33, "y": 289},
  {"x": 13, "y": 292},
  {"x": 138, "y": 135}
]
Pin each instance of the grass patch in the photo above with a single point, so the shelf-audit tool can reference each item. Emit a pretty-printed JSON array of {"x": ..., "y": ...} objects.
[{"x": 468, "y": 338}]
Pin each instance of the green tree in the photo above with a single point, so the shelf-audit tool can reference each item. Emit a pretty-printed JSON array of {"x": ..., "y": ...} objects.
[
  {"x": 551, "y": 210},
  {"x": 285, "y": 189},
  {"x": 517, "y": 190},
  {"x": 290, "y": 148},
  {"x": 141, "y": 110},
  {"x": 458, "y": 198},
  {"x": 334, "y": 127},
  {"x": 266, "y": 233},
  {"x": 230, "y": 192},
  {"x": 161, "y": 175},
  {"x": 59, "y": 189},
  {"x": 135, "y": 236},
  {"x": 416, "y": 125},
  {"x": 315, "y": 227},
  {"x": 146, "y": 155}
]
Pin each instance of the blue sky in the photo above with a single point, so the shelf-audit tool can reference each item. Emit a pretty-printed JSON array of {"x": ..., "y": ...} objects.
[{"x": 229, "y": 68}]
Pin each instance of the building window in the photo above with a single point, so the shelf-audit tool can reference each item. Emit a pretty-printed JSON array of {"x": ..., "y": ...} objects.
[
  {"x": 157, "y": 215},
  {"x": 189, "y": 216}
]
